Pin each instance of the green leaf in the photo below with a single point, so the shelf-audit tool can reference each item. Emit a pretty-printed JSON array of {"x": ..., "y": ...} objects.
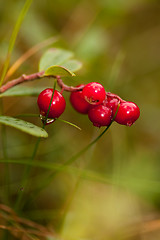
[
  {"x": 58, "y": 71},
  {"x": 57, "y": 62},
  {"x": 18, "y": 91},
  {"x": 54, "y": 56},
  {"x": 72, "y": 65},
  {"x": 66, "y": 69},
  {"x": 24, "y": 126}
]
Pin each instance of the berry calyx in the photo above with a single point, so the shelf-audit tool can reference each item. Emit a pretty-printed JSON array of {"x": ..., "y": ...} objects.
[
  {"x": 100, "y": 115},
  {"x": 127, "y": 114},
  {"x": 94, "y": 93},
  {"x": 57, "y": 106},
  {"x": 78, "y": 102}
]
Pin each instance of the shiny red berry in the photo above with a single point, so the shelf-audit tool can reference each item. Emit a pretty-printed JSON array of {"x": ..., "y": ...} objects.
[
  {"x": 78, "y": 102},
  {"x": 111, "y": 103},
  {"x": 94, "y": 93},
  {"x": 127, "y": 114},
  {"x": 100, "y": 115},
  {"x": 57, "y": 106}
]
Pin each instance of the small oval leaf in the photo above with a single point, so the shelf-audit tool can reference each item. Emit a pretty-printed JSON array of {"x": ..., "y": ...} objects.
[
  {"x": 58, "y": 71},
  {"x": 54, "y": 56},
  {"x": 23, "y": 126},
  {"x": 72, "y": 65}
]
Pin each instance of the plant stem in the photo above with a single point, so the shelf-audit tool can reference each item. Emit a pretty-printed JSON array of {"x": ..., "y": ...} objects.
[
  {"x": 21, "y": 79},
  {"x": 38, "y": 75},
  {"x": 18, "y": 204},
  {"x": 112, "y": 95},
  {"x": 35, "y": 76},
  {"x": 66, "y": 87},
  {"x": 6, "y": 234},
  {"x": 25, "y": 177},
  {"x": 72, "y": 159},
  {"x": 5, "y": 156}
]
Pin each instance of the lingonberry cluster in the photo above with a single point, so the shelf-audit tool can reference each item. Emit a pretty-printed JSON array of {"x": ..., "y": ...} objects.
[{"x": 102, "y": 107}]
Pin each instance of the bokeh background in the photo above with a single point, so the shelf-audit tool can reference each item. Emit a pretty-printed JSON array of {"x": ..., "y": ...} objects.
[{"x": 117, "y": 193}]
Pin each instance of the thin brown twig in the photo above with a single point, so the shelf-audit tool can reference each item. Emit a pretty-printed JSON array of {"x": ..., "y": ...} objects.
[
  {"x": 112, "y": 95},
  {"x": 21, "y": 79},
  {"x": 66, "y": 87},
  {"x": 35, "y": 76},
  {"x": 38, "y": 75}
]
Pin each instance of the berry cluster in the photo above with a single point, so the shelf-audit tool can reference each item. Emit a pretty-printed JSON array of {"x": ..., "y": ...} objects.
[{"x": 102, "y": 107}]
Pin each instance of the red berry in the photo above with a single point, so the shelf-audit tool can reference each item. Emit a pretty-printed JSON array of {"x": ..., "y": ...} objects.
[
  {"x": 94, "y": 93},
  {"x": 57, "y": 106},
  {"x": 78, "y": 102},
  {"x": 127, "y": 114},
  {"x": 111, "y": 103},
  {"x": 100, "y": 115}
]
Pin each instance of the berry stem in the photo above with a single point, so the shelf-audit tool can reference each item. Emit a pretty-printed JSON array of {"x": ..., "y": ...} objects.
[
  {"x": 23, "y": 185},
  {"x": 66, "y": 87},
  {"x": 21, "y": 79},
  {"x": 19, "y": 204},
  {"x": 112, "y": 95},
  {"x": 35, "y": 76},
  {"x": 45, "y": 120},
  {"x": 38, "y": 75}
]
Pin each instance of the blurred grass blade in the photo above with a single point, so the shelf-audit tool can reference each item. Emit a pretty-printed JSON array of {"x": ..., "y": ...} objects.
[
  {"x": 23, "y": 126},
  {"x": 13, "y": 38},
  {"x": 135, "y": 184},
  {"x": 72, "y": 124},
  {"x": 30, "y": 53},
  {"x": 132, "y": 183},
  {"x": 76, "y": 156},
  {"x": 116, "y": 68}
]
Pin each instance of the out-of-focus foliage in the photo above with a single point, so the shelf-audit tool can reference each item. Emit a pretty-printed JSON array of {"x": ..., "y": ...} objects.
[{"x": 118, "y": 43}]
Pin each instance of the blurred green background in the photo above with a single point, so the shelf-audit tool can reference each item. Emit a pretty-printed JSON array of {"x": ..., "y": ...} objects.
[{"x": 117, "y": 196}]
